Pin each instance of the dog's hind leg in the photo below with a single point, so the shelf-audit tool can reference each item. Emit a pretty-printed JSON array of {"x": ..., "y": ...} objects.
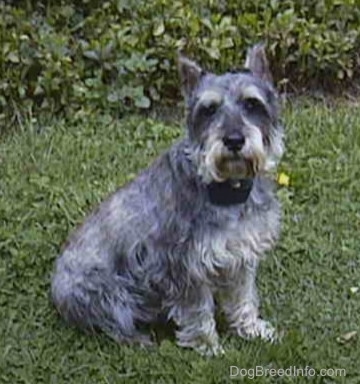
[{"x": 97, "y": 299}]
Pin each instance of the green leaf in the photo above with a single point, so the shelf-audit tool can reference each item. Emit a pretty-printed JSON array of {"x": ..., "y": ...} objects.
[
  {"x": 92, "y": 55},
  {"x": 227, "y": 43},
  {"x": 159, "y": 29},
  {"x": 154, "y": 94},
  {"x": 113, "y": 97},
  {"x": 13, "y": 57},
  {"x": 207, "y": 24},
  {"x": 38, "y": 90},
  {"x": 213, "y": 52},
  {"x": 142, "y": 102}
]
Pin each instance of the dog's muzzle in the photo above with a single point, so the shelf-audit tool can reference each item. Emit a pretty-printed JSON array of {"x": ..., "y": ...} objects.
[{"x": 234, "y": 142}]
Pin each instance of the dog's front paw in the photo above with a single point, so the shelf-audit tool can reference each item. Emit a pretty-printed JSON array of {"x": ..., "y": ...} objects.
[
  {"x": 258, "y": 328},
  {"x": 205, "y": 345},
  {"x": 210, "y": 350}
]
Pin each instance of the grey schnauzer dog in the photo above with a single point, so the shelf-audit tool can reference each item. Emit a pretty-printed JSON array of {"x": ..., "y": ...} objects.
[{"x": 190, "y": 231}]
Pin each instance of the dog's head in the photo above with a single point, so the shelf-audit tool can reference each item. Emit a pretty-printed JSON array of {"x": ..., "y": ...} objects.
[{"x": 232, "y": 119}]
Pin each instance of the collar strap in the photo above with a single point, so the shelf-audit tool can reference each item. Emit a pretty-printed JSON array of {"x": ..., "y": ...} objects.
[{"x": 229, "y": 192}]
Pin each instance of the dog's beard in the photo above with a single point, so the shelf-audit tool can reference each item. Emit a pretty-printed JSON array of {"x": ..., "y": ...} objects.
[
  {"x": 231, "y": 166},
  {"x": 218, "y": 164}
]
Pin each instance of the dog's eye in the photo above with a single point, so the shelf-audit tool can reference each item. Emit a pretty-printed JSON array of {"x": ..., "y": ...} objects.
[
  {"x": 253, "y": 105},
  {"x": 210, "y": 109}
]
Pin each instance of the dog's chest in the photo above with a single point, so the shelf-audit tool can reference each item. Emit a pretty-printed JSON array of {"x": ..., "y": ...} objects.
[{"x": 242, "y": 239}]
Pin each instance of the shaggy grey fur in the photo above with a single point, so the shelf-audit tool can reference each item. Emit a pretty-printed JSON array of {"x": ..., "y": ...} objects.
[{"x": 158, "y": 247}]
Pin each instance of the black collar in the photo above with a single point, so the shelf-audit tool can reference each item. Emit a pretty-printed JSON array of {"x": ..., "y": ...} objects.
[{"x": 229, "y": 192}]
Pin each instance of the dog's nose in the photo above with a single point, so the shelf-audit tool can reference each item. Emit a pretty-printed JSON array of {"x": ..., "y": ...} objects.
[{"x": 234, "y": 142}]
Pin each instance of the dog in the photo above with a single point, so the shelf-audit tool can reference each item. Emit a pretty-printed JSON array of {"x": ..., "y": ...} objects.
[{"x": 187, "y": 235}]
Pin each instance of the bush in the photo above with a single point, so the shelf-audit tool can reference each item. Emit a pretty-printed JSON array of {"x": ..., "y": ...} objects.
[{"x": 121, "y": 54}]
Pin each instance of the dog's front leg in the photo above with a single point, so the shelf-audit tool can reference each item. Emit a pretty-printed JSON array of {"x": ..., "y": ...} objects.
[
  {"x": 241, "y": 307},
  {"x": 194, "y": 316}
]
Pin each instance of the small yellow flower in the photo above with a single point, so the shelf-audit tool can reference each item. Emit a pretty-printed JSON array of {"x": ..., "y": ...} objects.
[{"x": 283, "y": 179}]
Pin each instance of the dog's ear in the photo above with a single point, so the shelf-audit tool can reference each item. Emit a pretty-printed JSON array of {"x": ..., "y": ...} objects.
[
  {"x": 190, "y": 74},
  {"x": 257, "y": 62}
]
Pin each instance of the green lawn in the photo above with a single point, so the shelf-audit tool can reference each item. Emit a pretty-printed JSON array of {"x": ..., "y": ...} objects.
[{"x": 51, "y": 176}]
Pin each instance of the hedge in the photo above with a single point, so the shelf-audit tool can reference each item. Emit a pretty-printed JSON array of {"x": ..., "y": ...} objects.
[{"x": 63, "y": 56}]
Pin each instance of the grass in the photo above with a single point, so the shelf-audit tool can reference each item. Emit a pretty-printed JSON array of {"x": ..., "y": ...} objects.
[{"x": 51, "y": 176}]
